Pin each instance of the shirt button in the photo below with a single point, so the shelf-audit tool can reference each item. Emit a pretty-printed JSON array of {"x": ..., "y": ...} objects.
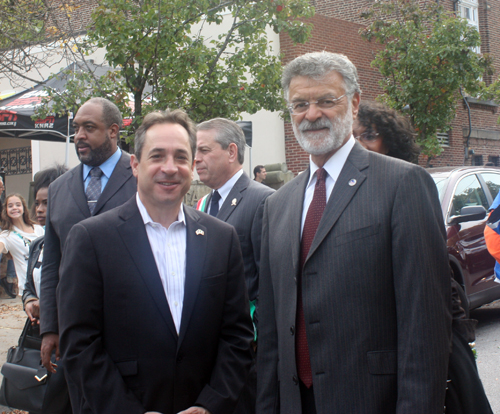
[
  {"x": 173, "y": 273},
  {"x": 176, "y": 303}
]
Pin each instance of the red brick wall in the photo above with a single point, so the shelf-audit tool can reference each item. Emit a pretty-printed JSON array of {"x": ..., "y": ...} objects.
[{"x": 336, "y": 27}]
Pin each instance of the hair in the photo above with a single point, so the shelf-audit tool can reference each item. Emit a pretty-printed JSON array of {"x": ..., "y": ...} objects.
[
  {"x": 45, "y": 177},
  {"x": 110, "y": 112},
  {"x": 7, "y": 223},
  {"x": 395, "y": 129},
  {"x": 317, "y": 65},
  {"x": 256, "y": 170},
  {"x": 176, "y": 116},
  {"x": 227, "y": 132}
]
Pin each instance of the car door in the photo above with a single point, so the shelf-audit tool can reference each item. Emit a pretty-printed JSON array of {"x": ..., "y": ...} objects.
[{"x": 466, "y": 240}]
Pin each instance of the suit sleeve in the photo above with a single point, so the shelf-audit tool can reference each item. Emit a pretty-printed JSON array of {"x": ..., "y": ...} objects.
[
  {"x": 50, "y": 275},
  {"x": 267, "y": 356},
  {"x": 234, "y": 359},
  {"x": 423, "y": 294},
  {"x": 80, "y": 297}
]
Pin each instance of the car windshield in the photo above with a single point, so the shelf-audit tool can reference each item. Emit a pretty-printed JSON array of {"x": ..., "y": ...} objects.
[{"x": 441, "y": 183}]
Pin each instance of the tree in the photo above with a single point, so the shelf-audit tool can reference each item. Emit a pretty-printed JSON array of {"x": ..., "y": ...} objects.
[
  {"x": 35, "y": 35},
  {"x": 428, "y": 56},
  {"x": 167, "y": 54}
]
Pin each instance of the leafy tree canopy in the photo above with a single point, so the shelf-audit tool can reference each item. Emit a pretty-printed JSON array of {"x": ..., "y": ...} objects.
[
  {"x": 167, "y": 54},
  {"x": 429, "y": 55}
]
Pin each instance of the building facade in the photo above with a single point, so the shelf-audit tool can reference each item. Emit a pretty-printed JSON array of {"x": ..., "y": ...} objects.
[{"x": 336, "y": 29}]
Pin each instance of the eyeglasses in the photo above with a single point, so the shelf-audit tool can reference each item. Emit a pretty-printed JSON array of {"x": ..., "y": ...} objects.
[
  {"x": 301, "y": 107},
  {"x": 367, "y": 136}
]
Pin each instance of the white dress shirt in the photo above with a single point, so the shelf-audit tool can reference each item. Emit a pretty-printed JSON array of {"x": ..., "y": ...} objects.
[
  {"x": 333, "y": 168},
  {"x": 228, "y": 186},
  {"x": 169, "y": 251}
]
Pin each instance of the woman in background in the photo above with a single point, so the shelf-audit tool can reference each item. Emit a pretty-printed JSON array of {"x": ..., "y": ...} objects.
[
  {"x": 18, "y": 231},
  {"x": 56, "y": 397},
  {"x": 383, "y": 130},
  {"x": 32, "y": 287}
]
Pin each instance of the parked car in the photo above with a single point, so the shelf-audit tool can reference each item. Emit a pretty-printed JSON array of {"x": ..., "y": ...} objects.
[{"x": 466, "y": 194}]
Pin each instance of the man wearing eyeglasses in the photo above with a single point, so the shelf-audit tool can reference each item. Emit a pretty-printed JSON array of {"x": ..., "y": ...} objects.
[{"x": 354, "y": 297}]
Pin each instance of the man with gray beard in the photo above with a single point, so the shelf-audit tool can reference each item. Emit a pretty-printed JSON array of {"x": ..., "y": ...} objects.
[{"x": 354, "y": 293}]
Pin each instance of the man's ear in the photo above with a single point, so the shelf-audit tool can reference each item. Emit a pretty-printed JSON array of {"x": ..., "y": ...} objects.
[
  {"x": 355, "y": 104},
  {"x": 233, "y": 152},
  {"x": 113, "y": 131},
  {"x": 134, "y": 163}
]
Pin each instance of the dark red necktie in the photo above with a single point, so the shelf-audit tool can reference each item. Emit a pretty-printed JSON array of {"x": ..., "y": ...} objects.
[{"x": 313, "y": 218}]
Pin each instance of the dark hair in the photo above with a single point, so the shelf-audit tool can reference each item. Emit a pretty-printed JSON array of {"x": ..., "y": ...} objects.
[
  {"x": 7, "y": 223},
  {"x": 256, "y": 170},
  {"x": 395, "y": 129},
  {"x": 45, "y": 177},
  {"x": 176, "y": 116},
  {"x": 110, "y": 112}
]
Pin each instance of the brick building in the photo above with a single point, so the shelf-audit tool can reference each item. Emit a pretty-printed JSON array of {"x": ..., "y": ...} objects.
[{"x": 336, "y": 29}]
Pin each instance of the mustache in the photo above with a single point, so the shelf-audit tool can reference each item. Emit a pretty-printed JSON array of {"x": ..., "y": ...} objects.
[{"x": 306, "y": 125}]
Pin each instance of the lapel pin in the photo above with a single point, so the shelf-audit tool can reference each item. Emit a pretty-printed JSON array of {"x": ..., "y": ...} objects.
[
  {"x": 352, "y": 182},
  {"x": 233, "y": 202},
  {"x": 200, "y": 232}
]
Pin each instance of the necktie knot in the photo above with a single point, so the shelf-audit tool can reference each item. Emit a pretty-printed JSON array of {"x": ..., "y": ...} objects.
[
  {"x": 320, "y": 175},
  {"x": 96, "y": 172}
]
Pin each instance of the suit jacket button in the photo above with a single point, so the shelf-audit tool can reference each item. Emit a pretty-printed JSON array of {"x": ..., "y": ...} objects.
[
  {"x": 295, "y": 380},
  {"x": 292, "y": 330},
  {"x": 179, "y": 358}
]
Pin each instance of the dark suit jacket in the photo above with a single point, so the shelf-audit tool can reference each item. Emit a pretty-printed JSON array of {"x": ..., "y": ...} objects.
[
  {"x": 243, "y": 209},
  {"x": 118, "y": 338},
  {"x": 67, "y": 205},
  {"x": 376, "y": 294}
]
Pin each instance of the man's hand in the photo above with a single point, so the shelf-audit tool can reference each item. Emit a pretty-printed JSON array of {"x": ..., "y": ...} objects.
[
  {"x": 50, "y": 341},
  {"x": 195, "y": 410},
  {"x": 32, "y": 309}
]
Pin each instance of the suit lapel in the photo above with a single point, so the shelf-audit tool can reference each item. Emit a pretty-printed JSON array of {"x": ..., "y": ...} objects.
[
  {"x": 233, "y": 198},
  {"x": 78, "y": 191},
  {"x": 135, "y": 237},
  {"x": 349, "y": 181},
  {"x": 120, "y": 175},
  {"x": 196, "y": 247},
  {"x": 296, "y": 218}
]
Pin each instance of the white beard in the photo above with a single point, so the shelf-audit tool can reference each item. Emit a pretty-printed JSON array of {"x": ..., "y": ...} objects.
[{"x": 323, "y": 142}]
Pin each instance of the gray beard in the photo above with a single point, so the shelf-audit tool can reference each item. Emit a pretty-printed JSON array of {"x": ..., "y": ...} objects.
[{"x": 323, "y": 142}]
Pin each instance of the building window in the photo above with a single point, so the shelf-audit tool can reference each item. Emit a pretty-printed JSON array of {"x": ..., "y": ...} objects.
[
  {"x": 16, "y": 160},
  {"x": 494, "y": 160},
  {"x": 468, "y": 9},
  {"x": 477, "y": 160},
  {"x": 443, "y": 138}
]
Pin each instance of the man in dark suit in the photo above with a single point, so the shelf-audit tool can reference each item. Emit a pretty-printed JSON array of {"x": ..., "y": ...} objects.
[
  {"x": 153, "y": 307},
  {"x": 78, "y": 194},
  {"x": 354, "y": 285},
  {"x": 235, "y": 198}
]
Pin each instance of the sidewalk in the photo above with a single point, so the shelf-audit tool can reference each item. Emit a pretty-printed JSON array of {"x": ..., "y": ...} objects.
[{"x": 12, "y": 319}]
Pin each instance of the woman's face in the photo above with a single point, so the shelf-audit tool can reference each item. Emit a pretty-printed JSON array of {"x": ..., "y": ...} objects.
[
  {"x": 41, "y": 205},
  {"x": 369, "y": 138},
  {"x": 15, "y": 208}
]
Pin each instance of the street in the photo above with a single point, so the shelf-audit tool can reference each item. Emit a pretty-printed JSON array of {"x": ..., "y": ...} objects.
[
  {"x": 488, "y": 350},
  {"x": 12, "y": 319}
]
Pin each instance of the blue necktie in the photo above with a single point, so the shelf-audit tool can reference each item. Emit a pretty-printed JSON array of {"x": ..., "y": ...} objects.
[
  {"x": 93, "y": 188},
  {"x": 214, "y": 204}
]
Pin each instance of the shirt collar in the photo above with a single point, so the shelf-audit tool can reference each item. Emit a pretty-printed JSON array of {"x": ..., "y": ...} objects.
[
  {"x": 335, "y": 163},
  {"x": 106, "y": 167},
  {"x": 146, "y": 218},
  {"x": 228, "y": 185}
]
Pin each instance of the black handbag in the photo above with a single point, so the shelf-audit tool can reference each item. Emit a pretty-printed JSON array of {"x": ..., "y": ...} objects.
[{"x": 26, "y": 384}]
